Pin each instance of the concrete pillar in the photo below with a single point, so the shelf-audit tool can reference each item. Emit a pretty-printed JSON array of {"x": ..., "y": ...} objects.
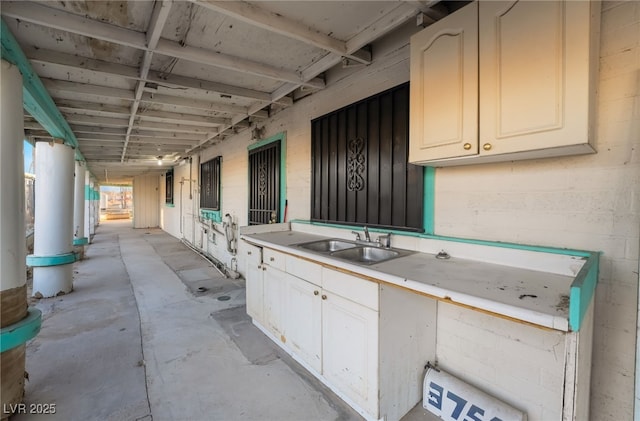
[
  {"x": 79, "y": 239},
  {"x": 92, "y": 208},
  {"x": 13, "y": 278},
  {"x": 87, "y": 205},
  {"x": 53, "y": 255}
]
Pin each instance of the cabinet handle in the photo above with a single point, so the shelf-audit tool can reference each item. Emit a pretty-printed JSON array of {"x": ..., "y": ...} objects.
[
  {"x": 324, "y": 297},
  {"x": 271, "y": 259},
  {"x": 467, "y": 146},
  {"x": 315, "y": 293},
  {"x": 486, "y": 146}
]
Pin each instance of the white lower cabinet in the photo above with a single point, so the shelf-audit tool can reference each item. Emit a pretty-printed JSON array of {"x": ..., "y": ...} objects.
[
  {"x": 304, "y": 321},
  {"x": 254, "y": 282},
  {"x": 368, "y": 342},
  {"x": 274, "y": 284},
  {"x": 350, "y": 350}
]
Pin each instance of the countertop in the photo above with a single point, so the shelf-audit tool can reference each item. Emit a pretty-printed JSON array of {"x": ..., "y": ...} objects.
[{"x": 536, "y": 297}]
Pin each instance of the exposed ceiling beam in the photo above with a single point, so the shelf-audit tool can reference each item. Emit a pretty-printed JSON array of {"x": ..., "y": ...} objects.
[
  {"x": 95, "y": 121},
  {"x": 254, "y": 15},
  {"x": 237, "y": 64},
  {"x": 385, "y": 24},
  {"x": 68, "y": 22},
  {"x": 178, "y": 118},
  {"x": 158, "y": 18},
  {"x": 193, "y": 103},
  {"x": 42, "y": 56},
  {"x": 56, "y": 86}
]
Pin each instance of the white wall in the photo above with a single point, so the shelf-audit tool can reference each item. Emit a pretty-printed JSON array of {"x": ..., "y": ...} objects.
[
  {"x": 145, "y": 201},
  {"x": 586, "y": 202}
]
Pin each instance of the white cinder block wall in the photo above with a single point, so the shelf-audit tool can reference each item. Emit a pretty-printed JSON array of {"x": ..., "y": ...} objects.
[{"x": 586, "y": 202}]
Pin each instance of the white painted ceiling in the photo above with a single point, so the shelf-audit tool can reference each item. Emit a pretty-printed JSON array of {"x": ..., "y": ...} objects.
[{"x": 138, "y": 80}]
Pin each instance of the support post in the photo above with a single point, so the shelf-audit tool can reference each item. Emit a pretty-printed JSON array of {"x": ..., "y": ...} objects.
[
  {"x": 79, "y": 239},
  {"x": 13, "y": 278},
  {"x": 53, "y": 256}
]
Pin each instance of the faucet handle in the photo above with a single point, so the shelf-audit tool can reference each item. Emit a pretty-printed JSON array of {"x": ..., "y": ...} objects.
[
  {"x": 357, "y": 235},
  {"x": 387, "y": 240}
]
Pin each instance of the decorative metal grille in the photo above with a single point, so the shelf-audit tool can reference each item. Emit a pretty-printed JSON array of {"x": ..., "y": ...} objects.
[
  {"x": 264, "y": 184},
  {"x": 210, "y": 184},
  {"x": 356, "y": 165}
]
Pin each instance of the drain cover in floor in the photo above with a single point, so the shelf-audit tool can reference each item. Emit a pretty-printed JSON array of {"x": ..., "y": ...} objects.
[{"x": 224, "y": 298}]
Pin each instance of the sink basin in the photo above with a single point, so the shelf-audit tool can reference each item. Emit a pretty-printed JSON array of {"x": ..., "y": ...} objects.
[
  {"x": 327, "y": 246},
  {"x": 368, "y": 255}
]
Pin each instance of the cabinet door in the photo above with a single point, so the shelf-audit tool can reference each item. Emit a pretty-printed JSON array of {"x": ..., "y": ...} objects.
[
  {"x": 350, "y": 350},
  {"x": 534, "y": 76},
  {"x": 274, "y": 283},
  {"x": 253, "y": 276},
  {"x": 304, "y": 321},
  {"x": 444, "y": 88}
]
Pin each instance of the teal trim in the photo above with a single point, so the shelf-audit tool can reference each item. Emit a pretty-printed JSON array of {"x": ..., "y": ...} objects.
[
  {"x": 87, "y": 192},
  {"x": 41, "y": 261},
  {"x": 36, "y": 99},
  {"x": 215, "y": 216},
  {"x": 282, "y": 137},
  {"x": 169, "y": 205},
  {"x": 428, "y": 208},
  {"x": 19, "y": 333},
  {"x": 582, "y": 291},
  {"x": 80, "y": 241}
]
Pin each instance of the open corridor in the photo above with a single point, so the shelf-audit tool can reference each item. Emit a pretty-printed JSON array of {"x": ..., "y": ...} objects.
[{"x": 153, "y": 331}]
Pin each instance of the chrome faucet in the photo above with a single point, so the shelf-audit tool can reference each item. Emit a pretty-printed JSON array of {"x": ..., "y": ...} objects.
[{"x": 366, "y": 234}]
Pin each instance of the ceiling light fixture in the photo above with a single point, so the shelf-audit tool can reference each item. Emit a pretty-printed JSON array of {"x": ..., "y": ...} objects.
[{"x": 160, "y": 160}]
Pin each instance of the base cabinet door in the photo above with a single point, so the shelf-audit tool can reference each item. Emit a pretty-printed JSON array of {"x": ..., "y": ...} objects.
[
  {"x": 350, "y": 350},
  {"x": 304, "y": 321},
  {"x": 254, "y": 283},
  {"x": 274, "y": 282}
]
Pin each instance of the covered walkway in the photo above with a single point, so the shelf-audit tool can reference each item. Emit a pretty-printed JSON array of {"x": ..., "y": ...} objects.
[{"x": 153, "y": 331}]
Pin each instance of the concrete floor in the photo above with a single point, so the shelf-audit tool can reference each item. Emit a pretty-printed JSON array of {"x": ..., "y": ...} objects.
[{"x": 144, "y": 336}]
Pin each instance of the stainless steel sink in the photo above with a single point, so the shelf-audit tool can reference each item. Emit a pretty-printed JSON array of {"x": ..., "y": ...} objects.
[
  {"x": 327, "y": 246},
  {"x": 354, "y": 252},
  {"x": 367, "y": 255}
]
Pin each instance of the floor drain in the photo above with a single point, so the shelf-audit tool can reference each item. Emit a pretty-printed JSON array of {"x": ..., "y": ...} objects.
[
  {"x": 224, "y": 298},
  {"x": 202, "y": 289}
]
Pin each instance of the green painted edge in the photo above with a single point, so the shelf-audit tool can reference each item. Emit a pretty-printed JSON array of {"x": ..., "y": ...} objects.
[
  {"x": 80, "y": 241},
  {"x": 282, "y": 137},
  {"x": 582, "y": 291},
  {"x": 214, "y": 215},
  {"x": 169, "y": 205},
  {"x": 428, "y": 207},
  {"x": 58, "y": 260},
  {"x": 19, "y": 333},
  {"x": 36, "y": 99}
]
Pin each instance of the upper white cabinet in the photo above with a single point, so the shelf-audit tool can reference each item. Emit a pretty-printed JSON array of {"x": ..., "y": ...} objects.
[{"x": 504, "y": 80}]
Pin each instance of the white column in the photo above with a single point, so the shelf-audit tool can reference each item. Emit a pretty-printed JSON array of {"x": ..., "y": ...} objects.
[
  {"x": 12, "y": 230},
  {"x": 53, "y": 231},
  {"x": 13, "y": 279},
  {"x": 79, "y": 239},
  {"x": 87, "y": 204},
  {"x": 92, "y": 208},
  {"x": 78, "y": 204}
]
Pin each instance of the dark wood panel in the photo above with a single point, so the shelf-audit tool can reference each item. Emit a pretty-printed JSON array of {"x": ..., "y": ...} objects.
[{"x": 360, "y": 173}]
